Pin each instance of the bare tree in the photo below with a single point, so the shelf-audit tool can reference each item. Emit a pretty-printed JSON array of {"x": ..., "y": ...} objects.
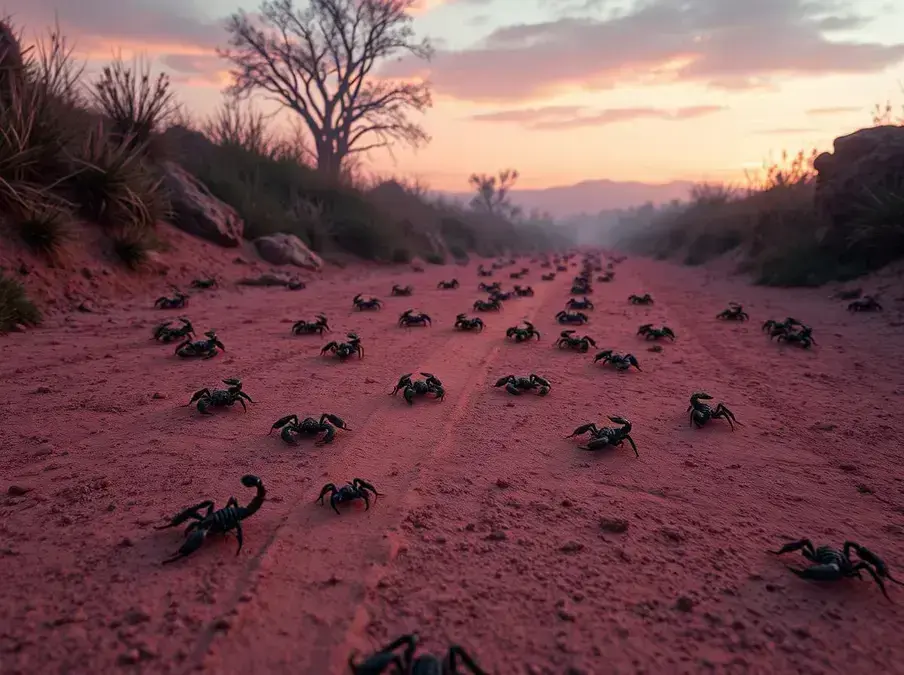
[
  {"x": 493, "y": 193},
  {"x": 319, "y": 62}
]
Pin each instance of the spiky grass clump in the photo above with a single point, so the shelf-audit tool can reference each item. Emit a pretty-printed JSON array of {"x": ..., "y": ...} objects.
[
  {"x": 45, "y": 229},
  {"x": 15, "y": 307},
  {"x": 132, "y": 246},
  {"x": 137, "y": 103},
  {"x": 114, "y": 185},
  {"x": 30, "y": 149}
]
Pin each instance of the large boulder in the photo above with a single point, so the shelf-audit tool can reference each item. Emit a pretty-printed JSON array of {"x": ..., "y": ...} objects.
[
  {"x": 863, "y": 163},
  {"x": 287, "y": 249},
  {"x": 198, "y": 212}
]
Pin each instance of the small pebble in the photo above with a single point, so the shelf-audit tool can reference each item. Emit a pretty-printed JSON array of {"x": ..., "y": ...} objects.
[
  {"x": 684, "y": 604},
  {"x": 615, "y": 525},
  {"x": 129, "y": 658},
  {"x": 17, "y": 490}
]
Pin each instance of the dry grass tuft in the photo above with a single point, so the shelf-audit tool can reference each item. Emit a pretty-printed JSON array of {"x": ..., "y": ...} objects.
[{"x": 15, "y": 307}]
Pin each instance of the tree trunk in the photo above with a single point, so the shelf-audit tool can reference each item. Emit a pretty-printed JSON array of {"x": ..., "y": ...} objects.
[{"x": 329, "y": 163}]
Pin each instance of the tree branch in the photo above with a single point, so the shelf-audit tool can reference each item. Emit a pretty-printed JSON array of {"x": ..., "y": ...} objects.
[{"x": 319, "y": 62}]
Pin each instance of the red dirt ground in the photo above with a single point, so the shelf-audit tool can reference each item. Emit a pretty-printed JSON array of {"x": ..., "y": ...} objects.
[{"x": 494, "y": 530}]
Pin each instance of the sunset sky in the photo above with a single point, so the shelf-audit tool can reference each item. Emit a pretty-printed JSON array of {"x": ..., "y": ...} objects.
[{"x": 571, "y": 90}]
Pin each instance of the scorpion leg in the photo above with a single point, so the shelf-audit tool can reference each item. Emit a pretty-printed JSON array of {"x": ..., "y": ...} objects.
[
  {"x": 363, "y": 484},
  {"x": 326, "y": 488},
  {"x": 868, "y": 556},
  {"x": 512, "y": 389},
  {"x": 631, "y": 441},
  {"x": 805, "y": 544},
  {"x": 543, "y": 391},
  {"x": 718, "y": 413},
  {"x": 203, "y": 406},
  {"x": 457, "y": 653},
  {"x": 366, "y": 500},
  {"x": 190, "y": 513},
  {"x": 875, "y": 574},
  {"x": 199, "y": 394},
  {"x": 583, "y": 429},
  {"x": 334, "y": 499},
  {"x": 725, "y": 413},
  {"x": 244, "y": 407},
  {"x": 288, "y": 435},
  {"x": 238, "y": 535},
  {"x": 283, "y": 421},
  {"x": 408, "y": 394},
  {"x": 329, "y": 432}
]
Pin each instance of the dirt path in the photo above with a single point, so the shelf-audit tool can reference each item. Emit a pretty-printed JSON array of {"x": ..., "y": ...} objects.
[{"x": 493, "y": 531}]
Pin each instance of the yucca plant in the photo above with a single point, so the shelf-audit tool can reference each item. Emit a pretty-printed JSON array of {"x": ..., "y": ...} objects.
[
  {"x": 27, "y": 147},
  {"x": 137, "y": 103},
  {"x": 113, "y": 186}
]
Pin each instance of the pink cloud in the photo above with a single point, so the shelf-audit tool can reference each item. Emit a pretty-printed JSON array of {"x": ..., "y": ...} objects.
[
  {"x": 719, "y": 43},
  {"x": 573, "y": 117}
]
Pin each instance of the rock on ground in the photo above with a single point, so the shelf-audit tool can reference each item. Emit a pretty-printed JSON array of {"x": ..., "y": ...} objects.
[
  {"x": 863, "y": 163},
  {"x": 198, "y": 212},
  {"x": 287, "y": 249}
]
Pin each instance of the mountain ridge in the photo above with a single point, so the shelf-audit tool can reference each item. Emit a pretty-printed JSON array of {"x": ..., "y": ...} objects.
[{"x": 592, "y": 196}]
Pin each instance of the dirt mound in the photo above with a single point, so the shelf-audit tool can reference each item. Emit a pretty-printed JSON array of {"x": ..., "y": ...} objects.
[{"x": 89, "y": 275}]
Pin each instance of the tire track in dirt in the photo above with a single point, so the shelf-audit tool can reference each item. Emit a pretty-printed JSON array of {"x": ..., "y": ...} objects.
[
  {"x": 789, "y": 382},
  {"x": 315, "y": 640},
  {"x": 510, "y": 557},
  {"x": 178, "y": 455}
]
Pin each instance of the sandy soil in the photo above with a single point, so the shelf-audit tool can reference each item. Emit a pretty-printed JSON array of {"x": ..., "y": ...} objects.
[{"x": 494, "y": 530}]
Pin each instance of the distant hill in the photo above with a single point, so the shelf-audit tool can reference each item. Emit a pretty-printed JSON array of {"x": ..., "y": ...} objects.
[{"x": 592, "y": 196}]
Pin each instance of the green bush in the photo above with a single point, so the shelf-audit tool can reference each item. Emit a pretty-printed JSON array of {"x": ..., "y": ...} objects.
[
  {"x": 435, "y": 259},
  {"x": 15, "y": 307}
]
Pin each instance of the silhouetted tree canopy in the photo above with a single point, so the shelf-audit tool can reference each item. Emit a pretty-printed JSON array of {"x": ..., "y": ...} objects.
[{"x": 319, "y": 61}]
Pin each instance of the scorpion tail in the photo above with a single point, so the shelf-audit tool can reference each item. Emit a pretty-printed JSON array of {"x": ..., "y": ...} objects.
[{"x": 254, "y": 505}]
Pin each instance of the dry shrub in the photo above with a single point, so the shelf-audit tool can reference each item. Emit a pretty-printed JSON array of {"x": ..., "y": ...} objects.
[
  {"x": 772, "y": 225},
  {"x": 131, "y": 245},
  {"x": 137, "y": 104},
  {"x": 113, "y": 184},
  {"x": 52, "y": 68},
  {"x": 44, "y": 229},
  {"x": 15, "y": 307}
]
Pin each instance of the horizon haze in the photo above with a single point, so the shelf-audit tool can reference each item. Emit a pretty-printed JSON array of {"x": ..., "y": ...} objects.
[{"x": 649, "y": 94}]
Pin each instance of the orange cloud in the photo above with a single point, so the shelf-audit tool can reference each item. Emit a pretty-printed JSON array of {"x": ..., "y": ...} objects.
[
  {"x": 836, "y": 110},
  {"x": 789, "y": 131},
  {"x": 573, "y": 117}
]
